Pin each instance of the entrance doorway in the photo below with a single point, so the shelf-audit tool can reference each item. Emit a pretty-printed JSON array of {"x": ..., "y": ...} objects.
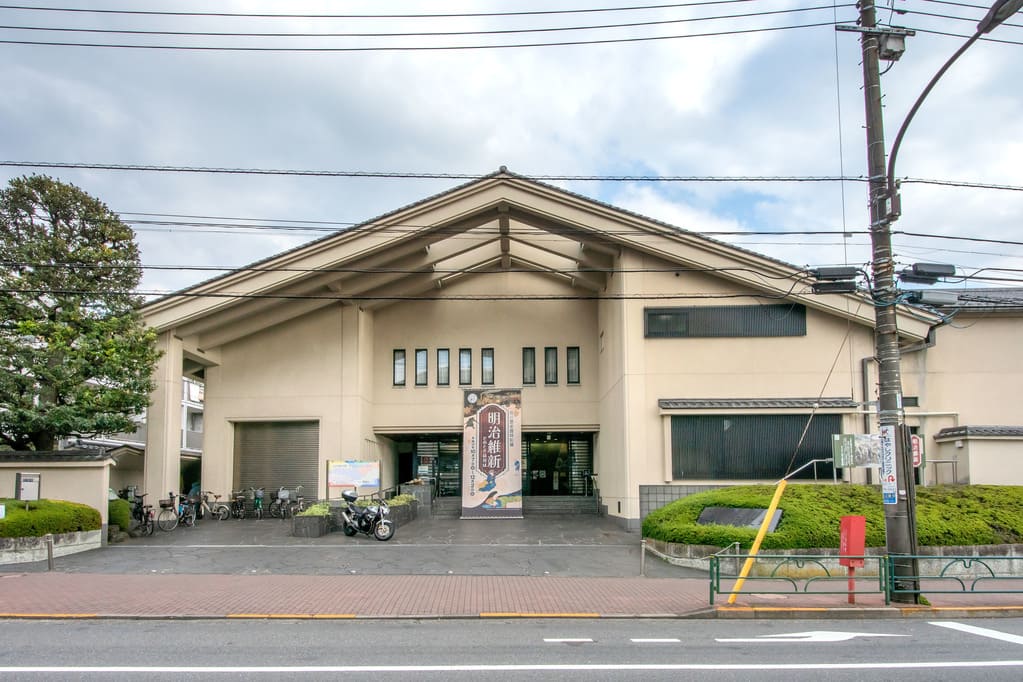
[{"x": 557, "y": 463}]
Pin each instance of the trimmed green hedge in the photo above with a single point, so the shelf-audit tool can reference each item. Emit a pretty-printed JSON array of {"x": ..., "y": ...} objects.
[
  {"x": 946, "y": 515},
  {"x": 119, "y": 513},
  {"x": 47, "y": 516}
]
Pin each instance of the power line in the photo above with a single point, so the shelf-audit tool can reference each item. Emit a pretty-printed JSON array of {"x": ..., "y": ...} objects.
[
  {"x": 413, "y": 48},
  {"x": 469, "y": 15},
  {"x": 549, "y": 29},
  {"x": 479, "y": 176}
]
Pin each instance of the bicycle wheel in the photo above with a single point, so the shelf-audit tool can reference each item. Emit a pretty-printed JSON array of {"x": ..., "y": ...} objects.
[
  {"x": 167, "y": 520},
  {"x": 275, "y": 509},
  {"x": 148, "y": 526},
  {"x": 222, "y": 512},
  {"x": 189, "y": 518}
]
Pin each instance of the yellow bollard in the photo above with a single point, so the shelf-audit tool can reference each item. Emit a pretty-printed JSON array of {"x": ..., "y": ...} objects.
[{"x": 756, "y": 543}]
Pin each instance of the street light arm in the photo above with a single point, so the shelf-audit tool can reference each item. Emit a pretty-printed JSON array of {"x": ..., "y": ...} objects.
[{"x": 890, "y": 175}]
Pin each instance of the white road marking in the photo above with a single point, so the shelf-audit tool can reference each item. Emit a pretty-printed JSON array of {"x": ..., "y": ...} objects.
[
  {"x": 816, "y": 636},
  {"x": 667, "y": 640},
  {"x": 566, "y": 640},
  {"x": 983, "y": 632},
  {"x": 903, "y": 665}
]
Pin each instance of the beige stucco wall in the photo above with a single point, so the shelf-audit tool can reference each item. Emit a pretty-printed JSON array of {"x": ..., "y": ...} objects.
[
  {"x": 288, "y": 372},
  {"x": 505, "y": 326},
  {"x": 978, "y": 461},
  {"x": 83, "y": 482},
  {"x": 824, "y": 362},
  {"x": 972, "y": 372}
]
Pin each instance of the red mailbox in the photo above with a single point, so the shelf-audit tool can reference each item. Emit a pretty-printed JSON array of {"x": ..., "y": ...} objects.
[{"x": 851, "y": 541}]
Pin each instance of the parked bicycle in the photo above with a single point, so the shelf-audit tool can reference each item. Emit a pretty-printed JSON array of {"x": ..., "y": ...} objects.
[
  {"x": 257, "y": 502},
  {"x": 175, "y": 510},
  {"x": 238, "y": 504},
  {"x": 218, "y": 509},
  {"x": 142, "y": 515},
  {"x": 286, "y": 504}
]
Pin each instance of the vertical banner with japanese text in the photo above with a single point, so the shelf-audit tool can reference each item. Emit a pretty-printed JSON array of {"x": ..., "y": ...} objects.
[{"x": 492, "y": 454}]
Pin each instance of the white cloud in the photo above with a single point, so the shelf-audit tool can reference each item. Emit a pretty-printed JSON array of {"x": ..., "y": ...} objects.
[{"x": 756, "y": 104}]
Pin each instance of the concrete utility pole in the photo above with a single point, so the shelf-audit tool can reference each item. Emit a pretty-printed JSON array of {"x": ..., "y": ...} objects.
[{"x": 898, "y": 484}]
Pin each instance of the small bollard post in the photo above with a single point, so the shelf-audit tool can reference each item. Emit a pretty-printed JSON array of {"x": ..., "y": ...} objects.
[
  {"x": 642, "y": 557},
  {"x": 49, "y": 551}
]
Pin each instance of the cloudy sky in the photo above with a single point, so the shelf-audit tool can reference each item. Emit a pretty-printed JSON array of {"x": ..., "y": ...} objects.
[{"x": 715, "y": 90}]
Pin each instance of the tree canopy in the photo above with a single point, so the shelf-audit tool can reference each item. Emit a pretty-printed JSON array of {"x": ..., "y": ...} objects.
[{"x": 75, "y": 357}]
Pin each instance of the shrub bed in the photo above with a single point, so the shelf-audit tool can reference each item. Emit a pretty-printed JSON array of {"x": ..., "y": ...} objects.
[
  {"x": 946, "y": 515},
  {"x": 47, "y": 516}
]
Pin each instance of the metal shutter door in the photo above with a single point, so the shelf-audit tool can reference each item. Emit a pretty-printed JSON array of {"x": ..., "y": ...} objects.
[{"x": 275, "y": 454}]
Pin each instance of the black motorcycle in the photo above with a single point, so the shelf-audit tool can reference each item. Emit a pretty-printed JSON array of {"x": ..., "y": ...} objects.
[{"x": 370, "y": 520}]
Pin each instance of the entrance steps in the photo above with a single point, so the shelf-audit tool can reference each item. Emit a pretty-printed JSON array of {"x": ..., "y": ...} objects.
[{"x": 544, "y": 505}]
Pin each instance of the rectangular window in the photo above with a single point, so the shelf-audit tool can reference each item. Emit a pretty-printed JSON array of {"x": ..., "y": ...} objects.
[
  {"x": 749, "y": 446},
  {"x": 528, "y": 366},
  {"x": 421, "y": 367},
  {"x": 572, "y": 364},
  {"x": 464, "y": 366},
  {"x": 550, "y": 365},
  {"x": 487, "y": 366},
  {"x": 784, "y": 319},
  {"x": 443, "y": 367},
  {"x": 399, "y": 367}
]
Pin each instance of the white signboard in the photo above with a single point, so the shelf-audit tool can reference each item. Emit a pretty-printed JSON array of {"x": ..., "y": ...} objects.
[{"x": 889, "y": 481}]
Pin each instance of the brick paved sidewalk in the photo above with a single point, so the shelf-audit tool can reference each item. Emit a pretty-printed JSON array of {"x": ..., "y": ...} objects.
[
  {"x": 363, "y": 596},
  {"x": 85, "y": 595}
]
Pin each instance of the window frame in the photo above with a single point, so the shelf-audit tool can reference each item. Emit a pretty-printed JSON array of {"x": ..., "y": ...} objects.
[
  {"x": 486, "y": 353},
  {"x": 464, "y": 373},
  {"x": 530, "y": 378},
  {"x": 399, "y": 367},
  {"x": 422, "y": 377},
  {"x": 569, "y": 378},
  {"x": 550, "y": 362},
  {"x": 445, "y": 378}
]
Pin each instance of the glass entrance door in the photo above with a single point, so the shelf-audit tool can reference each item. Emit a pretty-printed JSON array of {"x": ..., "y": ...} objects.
[{"x": 556, "y": 463}]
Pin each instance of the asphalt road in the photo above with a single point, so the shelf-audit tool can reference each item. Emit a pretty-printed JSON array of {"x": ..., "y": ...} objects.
[{"x": 649, "y": 649}]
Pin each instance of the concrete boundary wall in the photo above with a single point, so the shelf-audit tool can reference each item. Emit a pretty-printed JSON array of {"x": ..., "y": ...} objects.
[{"x": 27, "y": 550}]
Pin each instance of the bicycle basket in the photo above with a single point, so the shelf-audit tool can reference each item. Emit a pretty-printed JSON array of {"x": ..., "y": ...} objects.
[
  {"x": 283, "y": 495},
  {"x": 259, "y": 493},
  {"x": 166, "y": 504}
]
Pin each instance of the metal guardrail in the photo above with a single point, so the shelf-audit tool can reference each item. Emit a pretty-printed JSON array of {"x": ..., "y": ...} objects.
[
  {"x": 821, "y": 574},
  {"x": 795, "y": 574},
  {"x": 957, "y": 575}
]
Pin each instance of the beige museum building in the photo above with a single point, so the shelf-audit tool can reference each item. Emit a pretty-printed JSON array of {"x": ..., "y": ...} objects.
[{"x": 652, "y": 361}]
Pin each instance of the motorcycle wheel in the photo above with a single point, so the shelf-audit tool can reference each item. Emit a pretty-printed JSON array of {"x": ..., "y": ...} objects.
[
  {"x": 384, "y": 531},
  {"x": 349, "y": 530}
]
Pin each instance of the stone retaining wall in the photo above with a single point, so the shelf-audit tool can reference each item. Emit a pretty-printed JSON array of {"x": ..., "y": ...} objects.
[
  {"x": 1003, "y": 560},
  {"x": 27, "y": 550}
]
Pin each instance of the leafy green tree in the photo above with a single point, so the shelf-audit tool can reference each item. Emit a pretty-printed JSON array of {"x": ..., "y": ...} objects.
[{"x": 75, "y": 357}]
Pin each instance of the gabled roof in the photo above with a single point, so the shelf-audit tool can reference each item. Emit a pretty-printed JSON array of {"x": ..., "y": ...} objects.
[
  {"x": 55, "y": 456},
  {"x": 499, "y": 223},
  {"x": 755, "y": 403},
  {"x": 958, "y": 432}
]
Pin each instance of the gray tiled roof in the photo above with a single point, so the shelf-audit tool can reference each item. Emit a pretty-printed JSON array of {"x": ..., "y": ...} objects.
[
  {"x": 52, "y": 456},
  {"x": 979, "y": 432},
  {"x": 754, "y": 403},
  {"x": 985, "y": 299}
]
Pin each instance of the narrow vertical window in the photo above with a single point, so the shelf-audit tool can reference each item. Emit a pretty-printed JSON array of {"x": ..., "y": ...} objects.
[
  {"x": 550, "y": 365},
  {"x": 399, "y": 367},
  {"x": 487, "y": 366},
  {"x": 464, "y": 366},
  {"x": 528, "y": 366},
  {"x": 421, "y": 367},
  {"x": 443, "y": 367},
  {"x": 572, "y": 364}
]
